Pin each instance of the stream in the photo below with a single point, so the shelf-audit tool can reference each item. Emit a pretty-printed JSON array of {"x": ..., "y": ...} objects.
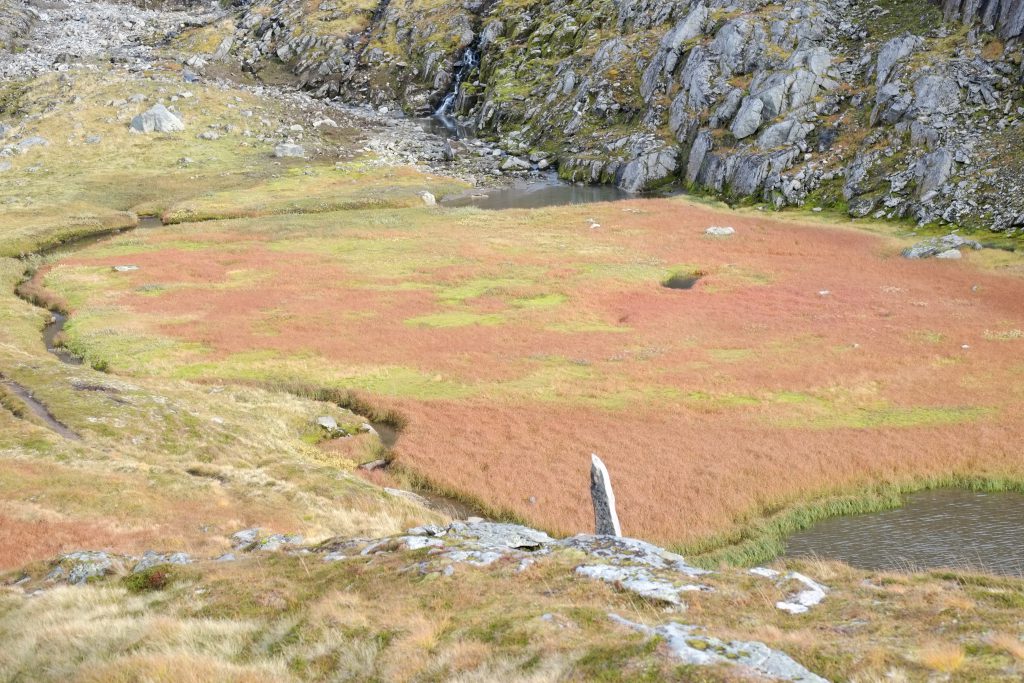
[
  {"x": 38, "y": 409},
  {"x": 543, "y": 189},
  {"x": 944, "y": 528},
  {"x": 53, "y": 329}
]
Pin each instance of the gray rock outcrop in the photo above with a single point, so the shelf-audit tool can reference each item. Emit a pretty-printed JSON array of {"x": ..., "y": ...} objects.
[
  {"x": 158, "y": 119},
  {"x": 771, "y": 102},
  {"x": 286, "y": 150},
  {"x": 939, "y": 245}
]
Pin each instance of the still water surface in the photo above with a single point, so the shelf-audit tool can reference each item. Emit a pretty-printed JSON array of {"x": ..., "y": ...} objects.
[
  {"x": 547, "y": 191},
  {"x": 943, "y": 528}
]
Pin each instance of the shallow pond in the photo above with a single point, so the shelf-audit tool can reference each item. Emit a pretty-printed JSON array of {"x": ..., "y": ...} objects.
[
  {"x": 547, "y": 191},
  {"x": 945, "y": 528},
  {"x": 543, "y": 190},
  {"x": 447, "y": 127}
]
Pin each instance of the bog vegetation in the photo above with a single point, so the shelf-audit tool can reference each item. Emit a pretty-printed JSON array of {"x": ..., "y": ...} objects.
[
  {"x": 809, "y": 371},
  {"x": 805, "y": 365}
]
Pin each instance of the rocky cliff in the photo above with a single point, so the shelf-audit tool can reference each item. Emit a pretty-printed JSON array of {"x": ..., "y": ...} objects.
[
  {"x": 1005, "y": 17},
  {"x": 890, "y": 109}
]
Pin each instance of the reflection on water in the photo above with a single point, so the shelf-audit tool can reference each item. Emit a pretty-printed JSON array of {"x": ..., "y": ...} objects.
[
  {"x": 544, "y": 190},
  {"x": 447, "y": 127},
  {"x": 945, "y": 528},
  {"x": 547, "y": 192}
]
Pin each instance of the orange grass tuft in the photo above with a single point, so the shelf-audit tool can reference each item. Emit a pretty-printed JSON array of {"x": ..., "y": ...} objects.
[{"x": 24, "y": 541}]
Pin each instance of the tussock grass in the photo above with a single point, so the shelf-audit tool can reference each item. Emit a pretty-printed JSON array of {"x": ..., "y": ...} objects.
[
  {"x": 1009, "y": 643},
  {"x": 942, "y": 657},
  {"x": 321, "y": 189},
  {"x": 730, "y": 417},
  {"x": 750, "y": 398},
  {"x": 296, "y": 618},
  {"x": 344, "y": 398}
]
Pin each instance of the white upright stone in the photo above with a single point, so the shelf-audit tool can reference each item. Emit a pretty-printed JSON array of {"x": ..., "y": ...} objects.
[{"x": 606, "y": 521}]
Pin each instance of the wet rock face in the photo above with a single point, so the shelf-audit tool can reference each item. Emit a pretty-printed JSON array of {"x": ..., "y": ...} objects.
[{"x": 814, "y": 101}]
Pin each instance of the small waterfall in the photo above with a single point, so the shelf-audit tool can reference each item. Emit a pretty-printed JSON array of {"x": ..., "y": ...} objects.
[{"x": 469, "y": 61}]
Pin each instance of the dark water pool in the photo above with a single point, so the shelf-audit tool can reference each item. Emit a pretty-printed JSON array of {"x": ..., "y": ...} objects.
[
  {"x": 681, "y": 281},
  {"x": 447, "y": 127},
  {"x": 934, "y": 529},
  {"x": 548, "y": 191}
]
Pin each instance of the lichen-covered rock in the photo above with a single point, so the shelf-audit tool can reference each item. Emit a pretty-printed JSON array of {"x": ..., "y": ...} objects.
[
  {"x": 1006, "y": 16},
  {"x": 628, "y": 564},
  {"x": 748, "y": 118},
  {"x": 939, "y": 245},
  {"x": 809, "y": 594},
  {"x": 631, "y": 551},
  {"x": 931, "y": 172},
  {"x": 694, "y": 648},
  {"x": 257, "y": 540},
  {"x": 16, "y": 20},
  {"x": 649, "y": 171},
  {"x": 641, "y": 581},
  {"x": 289, "y": 150},
  {"x": 892, "y": 52},
  {"x": 718, "y": 231},
  {"x": 83, "y": 566},
  {"x": 151, "y": 559}
]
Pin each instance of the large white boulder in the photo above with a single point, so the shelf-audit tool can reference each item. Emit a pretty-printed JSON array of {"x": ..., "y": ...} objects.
[{"x": 158, "y": 119}]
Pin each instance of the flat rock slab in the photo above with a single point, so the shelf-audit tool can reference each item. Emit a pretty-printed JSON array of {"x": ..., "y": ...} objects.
[
  {"x": 693, "y": 648},
  {"x": 717, "y": 231},
  {"x": 801, "y": 601},
  {"x": 641, "y": 581}
]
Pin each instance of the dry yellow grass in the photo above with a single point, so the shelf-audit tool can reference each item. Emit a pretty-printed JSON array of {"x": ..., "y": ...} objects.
[
  {"x": 1011, "y": 644},
  {"x": 943, "y": 657},
  {"x": 298, "y": 618}
]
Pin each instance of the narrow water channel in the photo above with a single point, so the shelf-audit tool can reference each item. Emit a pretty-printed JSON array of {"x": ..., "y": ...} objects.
[
  {"x": 946, "y": 528},
  {"x": 51, "y": 337},
  {"x": 38, "y": 409}
]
